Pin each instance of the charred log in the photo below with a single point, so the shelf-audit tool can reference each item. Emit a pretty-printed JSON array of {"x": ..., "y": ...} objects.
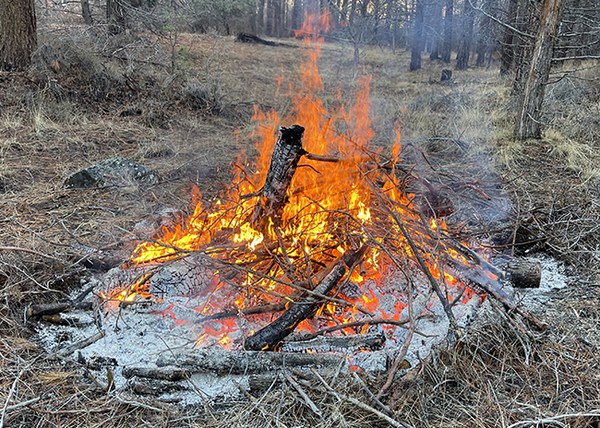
[
  {"x": 524, "y": 273},
  {"x": 269, "y": 337},
  {"x": 284, "y": 161},
  {"x": 222, "y": 362}
]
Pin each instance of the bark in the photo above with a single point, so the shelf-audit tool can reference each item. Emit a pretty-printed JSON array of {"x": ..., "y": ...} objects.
[
  {"x": 531, "y": 99},
  {"x": 269, "y": 337},
  {"x": 524, "y": 274},
  {"x": 466, "y": 35},
  {"x": 222, "y": 362},
  {"x": 86, "y": 12},
  {"x": 284, "y": 161},
  {"x": 417, "y": 36},
  {"x": 436, "y": 38},
  {"x": 18, "y": 38},
  {"x": 448, "y": 29},
  {"x": 507, "y": 52}
]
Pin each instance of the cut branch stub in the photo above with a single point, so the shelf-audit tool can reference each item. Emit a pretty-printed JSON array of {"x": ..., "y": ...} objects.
[
  {"x": 286, "y": 155},
  {"x": 270, "y": 336}
]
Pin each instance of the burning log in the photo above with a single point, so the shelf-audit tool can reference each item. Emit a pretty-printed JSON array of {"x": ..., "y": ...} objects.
[
  {"x": 270, "y": 336},
  {"x": 284, "y": 161}
]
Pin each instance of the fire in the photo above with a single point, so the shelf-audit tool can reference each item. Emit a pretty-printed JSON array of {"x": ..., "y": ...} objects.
[{"x": 331, "y": 207}]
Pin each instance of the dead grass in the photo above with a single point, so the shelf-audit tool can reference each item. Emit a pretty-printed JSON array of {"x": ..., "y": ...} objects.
[{"x": 496, "y": 377}]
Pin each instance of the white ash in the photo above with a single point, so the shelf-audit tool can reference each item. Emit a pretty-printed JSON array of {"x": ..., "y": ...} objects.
[{"x": 136, "y": 335}]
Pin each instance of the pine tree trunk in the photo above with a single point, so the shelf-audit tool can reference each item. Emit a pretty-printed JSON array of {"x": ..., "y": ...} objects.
[
  {"x": 466, "y": 34},
  {"x": 507, "y": 52},
  {"x": 532, "y": 96},
  {"x": 417, "y": 37},
  {"x": 437, "y": 30},
  {"x": 448, "y": 24},
  {"x": 18, "y": 38},
  {"x": 86, "y": 12}
]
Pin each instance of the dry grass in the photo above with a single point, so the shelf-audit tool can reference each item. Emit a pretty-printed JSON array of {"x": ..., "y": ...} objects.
[{"x": 497, "y": 377}]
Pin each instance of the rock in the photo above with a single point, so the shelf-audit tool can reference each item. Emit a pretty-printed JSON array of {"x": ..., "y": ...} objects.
[{"x": 117, "y": 171}]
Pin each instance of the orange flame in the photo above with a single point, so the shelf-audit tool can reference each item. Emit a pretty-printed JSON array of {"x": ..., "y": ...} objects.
[{"x": 331, "y": 206}]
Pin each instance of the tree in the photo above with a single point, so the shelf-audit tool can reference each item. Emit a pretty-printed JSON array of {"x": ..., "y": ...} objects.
[
  {"x": 464, "y": 43},
  {"x": 538, "y": 71},
  {"x": 18, "y": 37},
  {"x": 417, "y": 36},
  {"x": 86, "y": 12},
  {"x": 448, "y": 24},
  {"x": 436, "y": 26}
]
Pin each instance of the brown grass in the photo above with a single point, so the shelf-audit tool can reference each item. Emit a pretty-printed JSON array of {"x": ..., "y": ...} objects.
[{"x": 496, "y": 376}]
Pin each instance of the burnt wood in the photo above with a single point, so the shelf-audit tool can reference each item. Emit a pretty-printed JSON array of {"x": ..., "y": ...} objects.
[
  {"x": 222, "y": 362},
  {"x": 269, "y": 337},
  {"x": 284, "y": 161},
  {"x": 524, "y": 273}
]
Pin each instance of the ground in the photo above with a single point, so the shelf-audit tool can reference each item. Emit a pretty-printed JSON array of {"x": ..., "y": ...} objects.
[{"x": 185, "y": 111}]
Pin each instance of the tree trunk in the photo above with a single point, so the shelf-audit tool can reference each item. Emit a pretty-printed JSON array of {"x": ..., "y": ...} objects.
[
  {"x": 436, "y": 37},
  {"x": 448, "y": 24},
  {"x": 507, "y": 52},
  {"x": 18, "y": 38},
  {"x": 86, "y": 12},
  {"x": 417, "y": 37},
  {"x": 532, "y": 96},
  {"x": 297, "y": 15},
  {"x": 466, "y": 34}
]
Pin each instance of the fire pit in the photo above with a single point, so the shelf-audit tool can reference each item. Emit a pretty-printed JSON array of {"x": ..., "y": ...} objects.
[{"x": 322, "y": 256}]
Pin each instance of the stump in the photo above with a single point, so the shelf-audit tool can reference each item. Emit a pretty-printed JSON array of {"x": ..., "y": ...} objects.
[{"x": 446, "y": 75}]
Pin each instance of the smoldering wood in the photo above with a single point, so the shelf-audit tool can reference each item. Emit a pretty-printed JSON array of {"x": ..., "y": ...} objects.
[
  {"x": 170, "y": 373},
  {"x": 222, "y": 362},
  {"x": 524, "y": 273},
  {"x": 269, "y": 337},
  {"x": 351, "y": 343},
  {"x": 284, "y": 161}
]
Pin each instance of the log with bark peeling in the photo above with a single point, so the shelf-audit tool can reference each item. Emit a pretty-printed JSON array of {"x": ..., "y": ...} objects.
[
  {"x": 284, "y": 161},
  {"x": 270, "y": 336}
]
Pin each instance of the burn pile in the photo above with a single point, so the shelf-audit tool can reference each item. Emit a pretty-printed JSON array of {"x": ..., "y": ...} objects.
[{"x": 317, "y": 255}]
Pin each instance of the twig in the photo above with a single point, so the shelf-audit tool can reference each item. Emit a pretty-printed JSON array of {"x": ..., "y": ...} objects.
[
  {"x": 27, "y": 250},
  {"x": 311, "y": 405},
  {"x": 372, "y": 396},
  {"x": 80, "y": 345},
  {"x": 12, "y": 390},
  {"x": 399, "y": 323},
  {"x": 555, "y": 419}
]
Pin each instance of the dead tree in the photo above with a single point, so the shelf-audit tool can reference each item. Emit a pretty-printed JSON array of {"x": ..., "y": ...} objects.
[{"x": 532, "y": 95}]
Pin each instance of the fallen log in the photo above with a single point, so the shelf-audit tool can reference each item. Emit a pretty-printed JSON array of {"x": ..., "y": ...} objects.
[
  {"x": 269, "y": 337},
  {"x": 221, "y": 362},
  {"x": 284, "y": 161},
  {"x": 42, "y": 309}
]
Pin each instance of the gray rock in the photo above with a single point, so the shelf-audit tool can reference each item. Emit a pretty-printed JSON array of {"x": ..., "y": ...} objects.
[{"x": 117, "y": 171}]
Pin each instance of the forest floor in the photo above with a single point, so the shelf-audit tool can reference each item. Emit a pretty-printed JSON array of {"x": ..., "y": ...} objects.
[{"x": 184, "y": 108}]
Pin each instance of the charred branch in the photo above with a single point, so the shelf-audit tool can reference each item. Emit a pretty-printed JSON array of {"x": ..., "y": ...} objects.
[
  {"x": 284, "y": 161},
  {"x": 270, "y": 336}
]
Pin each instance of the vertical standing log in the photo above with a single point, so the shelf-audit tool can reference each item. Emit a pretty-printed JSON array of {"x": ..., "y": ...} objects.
[{"x": 286, "y": 155}]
